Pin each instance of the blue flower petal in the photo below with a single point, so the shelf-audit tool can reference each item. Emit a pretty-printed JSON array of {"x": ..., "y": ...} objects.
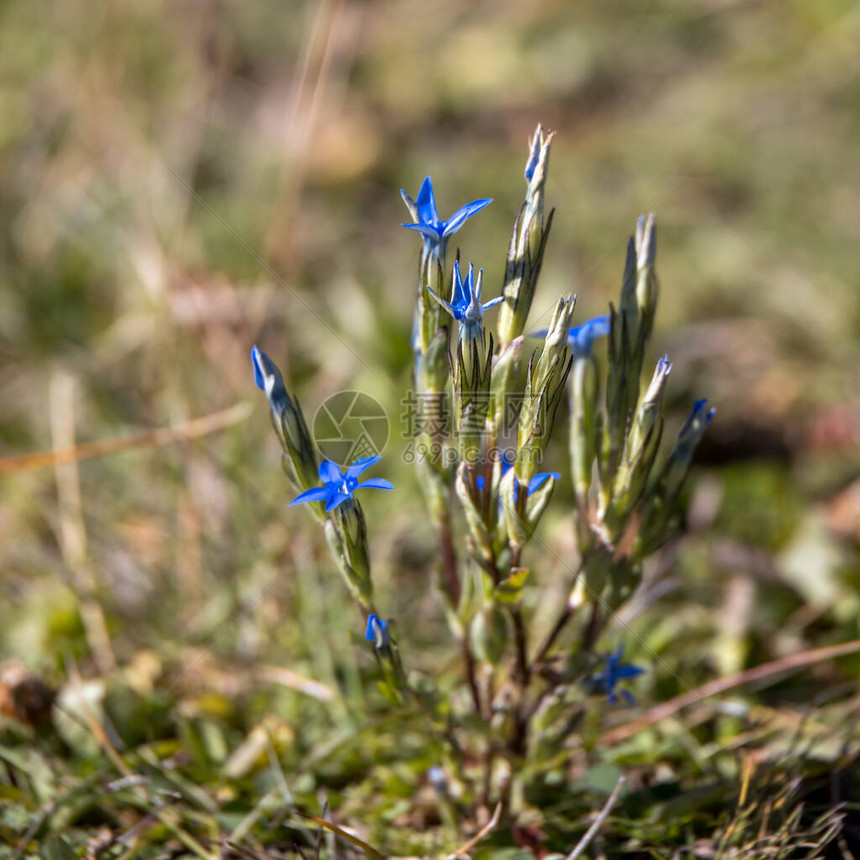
[
  {"x": 377, "y": 631},
  {"x": 493, "y": 302},
  {"x": 330, "y": 474},
  {"x": 456, "y": 312},
  {"x": 256, "y": 360},
  {"x": 427, "y": 230},
  {"x": 269, "y": 380},
  {"x": 460, "y": 296},
  {"x": 377, "y": 483},
  {"x": 426, "y": 203},
  {"x": 335, "y": 500},
  {"x": 538, "y": 480},
  {"x": 626, "y": 670},
  {"x": 582, "y": 337},
  {"x": 315, "y": 494},
  {"x": 357, "y": 467},
  {"x": 461, "y": 216},
  {"x": 534, "y": 156}
]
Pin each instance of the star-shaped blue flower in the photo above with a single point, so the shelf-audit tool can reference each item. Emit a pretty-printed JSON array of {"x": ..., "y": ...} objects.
[
  {"x": 339, "y": 486},
  {"x": 427, "y": 222},
  {"x": 614, "y": 672},
  {"x": 581, "y": 338},
  {"x": 467, "y": 307},
  {"x": 377, "y": 631}
]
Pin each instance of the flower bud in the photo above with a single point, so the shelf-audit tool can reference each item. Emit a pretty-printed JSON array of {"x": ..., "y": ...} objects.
[
  {"x": 658, "y": 518},
  {"x": 584, "y": 423},
  {"x": 472, "y": 393},
  {"x": 470, "y": 498},
  {"x": 434, "y": 364},
  {"x": 688, "y": 438},
  {"x": 505, "y": 385},
  {"x": 647, "y": 286},
  {"x": 641, "y": 450},
  {"x": 525, "y": 251},
  {"x": 288, "y": 420},
  {"x": 544, "y": 388}
]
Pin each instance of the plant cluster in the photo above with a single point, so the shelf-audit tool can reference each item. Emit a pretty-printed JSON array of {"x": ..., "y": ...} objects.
[{"x": 526, "y": 690}]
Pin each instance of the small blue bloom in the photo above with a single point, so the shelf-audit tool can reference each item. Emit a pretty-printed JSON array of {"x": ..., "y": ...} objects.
[
  {"x": 377, "y": 631},
  {"x": 699, "y": 419},
  {"x": 268, "y": 379},
  {"x": 467, "y": 307},
  {"x": 339, "y": 486},
  {"x": 427, "y": 222},
  {"x": 581, "y": 338},
  {"x": 534, "y": 484},
  {"x": 614, "y": 672}
]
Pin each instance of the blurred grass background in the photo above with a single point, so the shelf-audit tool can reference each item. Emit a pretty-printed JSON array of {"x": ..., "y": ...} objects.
[{"x": 182, "y": 180}]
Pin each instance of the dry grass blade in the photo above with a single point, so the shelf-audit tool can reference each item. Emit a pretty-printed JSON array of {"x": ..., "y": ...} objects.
[
  {"x": 354, "y": 840},
  {"x": 294, "y": 681},
  {"x": 148, "y": 439},
  {"x": 72, "y": 531},
  {"x": 463, "y": 850},
  {"x": 598, "y": 822},
  {"x": 723, "y": 685}
]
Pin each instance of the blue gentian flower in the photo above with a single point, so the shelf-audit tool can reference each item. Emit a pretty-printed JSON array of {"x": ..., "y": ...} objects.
[
  {"x": 427, "y": 222},
  {"x": 614, "y": 672},
  {"x": 467, "y": 307},
  {"x": 534, "y": 484},
  {"x": 339, "y": 486},
  {"x": 377, "y": 631},
  {"x": 581, "y": 337}
]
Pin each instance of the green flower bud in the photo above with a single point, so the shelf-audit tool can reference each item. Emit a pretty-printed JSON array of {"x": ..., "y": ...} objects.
[
  {"x": 647, "y": 286},
  {"x": 524, "y": 504},
  {"x": 434, "y": 364},
  {"x": 505, "y": 384},
  {"x": 472, "y": 374},
  {"x": 643, "y": 443},
  {"x": 288, "y": 420},
  {"x": 659, "y": 515},
  {"x": 584, "y": 423},
  {"x": 525, "y": 251},
  {"x": 544, "y": 388},
  {"x": 470, "y": 498}
]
